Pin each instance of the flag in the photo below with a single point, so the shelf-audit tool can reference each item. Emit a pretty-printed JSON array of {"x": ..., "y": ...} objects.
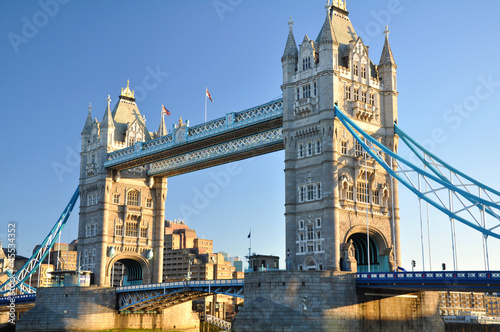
[
  {"x": 165, "y": 111},
  {"x": 249, "y": 234},
  {"x": 209, "y": 96}
]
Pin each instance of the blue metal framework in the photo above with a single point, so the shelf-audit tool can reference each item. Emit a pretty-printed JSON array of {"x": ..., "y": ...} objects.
[
  {"x": 488, "y": 281},
  {"x": 233, "y": 126},
  {"x": 155, "y": 296},
  {"x": 455, "y": 199},
  {"x": 17, "y": 280}
]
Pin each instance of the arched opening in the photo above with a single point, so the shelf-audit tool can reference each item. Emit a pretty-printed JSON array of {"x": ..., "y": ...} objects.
[
  {"x": 311, "y": 265},
  {"x": 126, "y": 272},
  {"x": 361, "y": 252}
]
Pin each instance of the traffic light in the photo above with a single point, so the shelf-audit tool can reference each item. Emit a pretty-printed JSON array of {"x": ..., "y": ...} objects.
[
  {"x": 413, "y": 263},
  {"x": 444, "y": 266}
]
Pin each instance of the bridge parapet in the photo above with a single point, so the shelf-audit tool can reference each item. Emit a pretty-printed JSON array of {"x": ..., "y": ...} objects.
[{"x": 231, "y": 121}]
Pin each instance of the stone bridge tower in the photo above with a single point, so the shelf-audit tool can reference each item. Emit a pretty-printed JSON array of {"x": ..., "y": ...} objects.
[
  {"x": 330, "y": 196},
  {"x": 121, "y": 214}
]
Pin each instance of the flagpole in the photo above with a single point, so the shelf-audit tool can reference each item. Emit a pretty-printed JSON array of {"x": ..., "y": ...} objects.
[
  {"x": 250, "y": 249},
  {"x": 206, "y": 89}
]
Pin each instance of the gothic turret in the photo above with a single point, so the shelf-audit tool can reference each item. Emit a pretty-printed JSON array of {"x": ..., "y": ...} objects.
[
  {"x": 162, "y": 130},
  {"x": 387, "y": 58},
  {"x": 107, "y": 126},
  {"x": 290, "y": 55},
  {"x": 328, "y": 45}
]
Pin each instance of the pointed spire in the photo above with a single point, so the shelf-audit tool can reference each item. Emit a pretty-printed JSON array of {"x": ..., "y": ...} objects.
[
  {"x": 327, "y": 36},
  {"x": 107, "y": 120},
  {"x": 387, "y": 58},
  {"x": 88, "y": 123},
  {"x": 291, "y": 50},
  {"x": 162, "y": 130}
]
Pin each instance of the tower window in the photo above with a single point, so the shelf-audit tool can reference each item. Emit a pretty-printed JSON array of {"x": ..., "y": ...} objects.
[
  {"x": 318, "y": 146},
  {"x": 144, "y": 232},
  {"x": 302, "y": 193},
  {"x": 318, "y": 190},
  {"x": 309, "y": 149},
  {"x": 310, "y": 192},
  {"x": 363, "y": 71},
  {"x": 376, "y": 197},
  {"x": 118, "y": 230},
  {"x": 116, "y": 198},
  {"x": 315, "y": 88},
  {"x": 356, "y": 94},
  {"x": 301, "y": 150},
  {"x": 358, "y": 149},
  {"x": 372, "y": 99},
  {"x": 133, "y": 198},
  {"x": 350, "y": 194},
  {"x": 298, "y": 93},
  {"x": 362, "y": 189},
  {"x": 363, "y": 96},
  {"x": 149, "y": 203},
  {"x": 355, "y": 69},
  {"x": 310, "y": 233},
  {"x": 347, "y": 92},
  {"x": 301, "y": 236},
  {"x": 301, "y": 224},
  {"x": 318, "y": 222},
  {"x": 306, "y": 91},
  {"x": 344, "y": 147},
  {"x": 306, "y": 63},
  {"x": 131, "y": 229}
]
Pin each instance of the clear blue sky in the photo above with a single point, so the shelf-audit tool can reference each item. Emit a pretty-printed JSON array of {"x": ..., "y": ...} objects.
[{"x": 84, "y": 50}]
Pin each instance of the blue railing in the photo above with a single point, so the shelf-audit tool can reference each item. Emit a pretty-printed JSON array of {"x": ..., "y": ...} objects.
[{"x": 181, "y": 284}]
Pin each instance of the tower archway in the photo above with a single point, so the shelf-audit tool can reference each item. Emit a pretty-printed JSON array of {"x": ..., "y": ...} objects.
[{"x": 128, "y": 269}]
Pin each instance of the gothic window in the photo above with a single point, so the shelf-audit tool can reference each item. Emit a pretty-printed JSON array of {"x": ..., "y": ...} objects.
[
  {"x": 350, "y": 193},
  {"x": 355, "y": 69},
  {"x": 131, "y": 141},
  {"x": 347, "y": 92},
  {"x": 309, "y": 149},
  {"x": 302, "y": 193},
  {"x": 363, "y": 70},
  {"x": 92, "y": 199},
  {"x": 298, "y": 93},
  {"x": 362, "y": 189},
  {"x": 144, "y": 232},
  {"x": 301, "y": 236},
  {"x": 315, "y": 88},
  {"x": 356, "y": 94},
  {"x": 93, "y": 230},
  {"x": 116, "y": 198},
  {"x": 318, "y": 190},
  {"x": 358, "y": 148},
  {"x": 149, "y": 203},
  {"x": 318, "y": 222},
  {"x": 131, "y": 229},
  {"x": 318, "y": 146},
  {"x": 310, "y": 248},
  {"x": 306, "y": 63},
  {"x": 301, "y": 224},
  {"x": 363, "y": 96},
  {"x": 133, "y": 198},
  {"x": 118, "y": 230},
  {"x": 310, "y": 192},
  {"x": 87, "y": 230},
  {"x": 310, "y": 232},
  {"x": 344, "y": 147},
  {"x": 372, "y": 99},
  {"x": 301, "y": 250},
  {"x": 301, "y": 150},
  {"x": 306, "y": 91},
  {"x": 376, "y": 197}
]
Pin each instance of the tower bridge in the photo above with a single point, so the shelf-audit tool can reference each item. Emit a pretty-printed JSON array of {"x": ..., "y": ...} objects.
[{"x": 336, "y": 122}]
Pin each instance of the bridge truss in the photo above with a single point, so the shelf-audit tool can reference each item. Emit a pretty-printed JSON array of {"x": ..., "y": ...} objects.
[{"x": 160, "y": 296}]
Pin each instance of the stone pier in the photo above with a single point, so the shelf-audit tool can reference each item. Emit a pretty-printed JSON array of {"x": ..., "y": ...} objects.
[
  {"x": 329, "y": 301},
  {"x": 93, "y": 309}
]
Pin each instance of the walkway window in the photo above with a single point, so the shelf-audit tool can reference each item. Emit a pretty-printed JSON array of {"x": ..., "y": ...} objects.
[
  {"x": 131, "y": 229},
  {"x": 362, "y": 189},
  {"x": 133, "y": 198}
]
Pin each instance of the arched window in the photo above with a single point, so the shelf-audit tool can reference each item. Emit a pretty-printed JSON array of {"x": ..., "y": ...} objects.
[{"x": 133, "y": 198}]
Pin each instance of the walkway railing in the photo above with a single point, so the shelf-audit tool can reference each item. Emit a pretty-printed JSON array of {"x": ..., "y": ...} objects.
[{"x": 226, "y": 326}]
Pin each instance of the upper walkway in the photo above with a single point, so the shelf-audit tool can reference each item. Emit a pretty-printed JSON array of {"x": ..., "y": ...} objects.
[{"x": 236, "y": 136}]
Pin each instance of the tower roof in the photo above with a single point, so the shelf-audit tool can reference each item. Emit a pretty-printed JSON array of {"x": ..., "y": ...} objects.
[
  {"x": 107, "y": 120},
  {"x": 88, "y": 122},
  {"x": 126, "y": 111},
  {"x": 327, "y": 35},
  {"x": 387, "y": 58},
  {"x": 342, "y": 28},
  {"x": 291, "y": 50}
]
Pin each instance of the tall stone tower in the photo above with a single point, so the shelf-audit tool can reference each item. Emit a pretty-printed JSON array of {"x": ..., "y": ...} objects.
[
  {"x": 332, "y": 199},
  {"x": 121, "y": 214}
]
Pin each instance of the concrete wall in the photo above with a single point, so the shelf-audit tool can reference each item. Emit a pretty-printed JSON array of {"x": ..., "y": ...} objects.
[
  {"x": 328, "y": 301},
  {"x": 93, "y": 309}
]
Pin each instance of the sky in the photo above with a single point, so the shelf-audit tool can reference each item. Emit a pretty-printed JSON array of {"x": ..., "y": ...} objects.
[{"x": 57, "y": 56}]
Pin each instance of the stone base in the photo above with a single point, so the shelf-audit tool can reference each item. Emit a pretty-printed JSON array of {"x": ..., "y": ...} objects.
[
  {"x": 93, "y": 309},
  {"x": 328, "y": 301}
]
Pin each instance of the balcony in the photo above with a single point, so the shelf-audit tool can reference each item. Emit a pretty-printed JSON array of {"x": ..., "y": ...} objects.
[
  {"x": 363, "y": 111},
  {"x": 305, "y": 106}
]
